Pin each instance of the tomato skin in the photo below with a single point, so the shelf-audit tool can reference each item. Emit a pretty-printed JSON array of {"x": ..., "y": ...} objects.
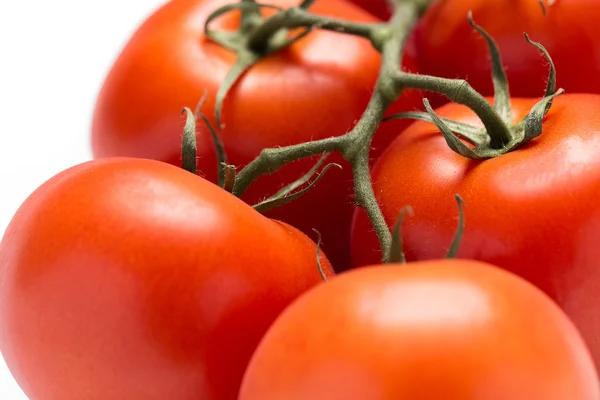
[
  {"x": 449, "y": 47},
  {"x": 532, "y": 211},
  {"x": 169, "y": 63},
  {"x": 130, "y": 279},
  {"x": 456, "y": 330},
  {"x": 379, "y": 8}
]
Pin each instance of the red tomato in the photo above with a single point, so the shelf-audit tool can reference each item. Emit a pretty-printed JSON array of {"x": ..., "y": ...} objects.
[
  {"x": 453, "y": 330},
  {"x": 449, "y": 47},
  {"x": 379, "y": 8},
  {"x": 533, "y": 211},
  {"x": 128, "y": 279},
  {"x": 317, "y": 88}
]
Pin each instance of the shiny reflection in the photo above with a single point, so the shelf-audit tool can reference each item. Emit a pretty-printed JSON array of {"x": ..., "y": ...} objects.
[
  {"x": 555, "y": 168},
  {"x": 429, "y": 304}
]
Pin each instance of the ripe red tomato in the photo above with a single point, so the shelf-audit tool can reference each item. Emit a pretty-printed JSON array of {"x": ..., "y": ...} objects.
[
  {"x": 315, "y": 89},
  {"x": 130, "y": 279},
  {"x": 379, "y": 8},
  {"x": 449, "y": 47},
  {"x": 454, "y": 330},
  {"x": 533, "y": 211}
]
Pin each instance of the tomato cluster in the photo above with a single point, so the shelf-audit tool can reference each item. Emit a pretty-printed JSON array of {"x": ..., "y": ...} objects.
[
  {"x": 129, "y": 277},
  {"x": 291, "y": 97}
]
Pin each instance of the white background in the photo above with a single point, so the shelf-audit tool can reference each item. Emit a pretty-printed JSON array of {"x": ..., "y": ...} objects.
[{"x": 54, "y": 56}]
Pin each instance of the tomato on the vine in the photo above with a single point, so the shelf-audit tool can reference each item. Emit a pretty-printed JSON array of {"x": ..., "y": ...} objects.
[
  {"x": 446, "y": 329},
  {"x": 448, "y": 46},
  {"x": 314, "y": 89},
  {"x": 129, "y": 279},
  {"x": 533, "y": 211}
]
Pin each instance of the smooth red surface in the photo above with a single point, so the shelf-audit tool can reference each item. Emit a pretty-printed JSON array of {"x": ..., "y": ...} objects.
[
  {"x": 533, "y": 211},
  {"x": 378, "y": 8},
  {"x": 315, "y": 89},
  {"x": 449, "y": 47},
  {"x": 128, "y": 279},
  {"x": 453, "y": 330}
]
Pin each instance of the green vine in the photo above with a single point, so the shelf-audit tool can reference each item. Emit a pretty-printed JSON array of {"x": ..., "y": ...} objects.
[{"x": 259, "y": 37}]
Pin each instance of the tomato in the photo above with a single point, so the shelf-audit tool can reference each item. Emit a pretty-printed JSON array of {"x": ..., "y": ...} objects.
[
  {"x": 130, "y": 279},
  {"x": 533, "y": 211},
  {"x": 449, "y": 47},
  {"x": 317, "y": 88},
  {"x": 454, "y": 330},
  {"x": 379, "y": 8}
]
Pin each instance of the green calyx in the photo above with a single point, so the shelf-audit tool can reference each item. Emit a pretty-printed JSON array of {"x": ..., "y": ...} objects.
[
  {"x": 499, "y": 135},
  {"x": 255, "y": 39},
  {"x": 188, "y": 142},
  {"x": 396, "y": 251},
  {"x": 318, "y": 256},
  {"x": 259, "y": 37},
  {"x": 227, "y": 173}
]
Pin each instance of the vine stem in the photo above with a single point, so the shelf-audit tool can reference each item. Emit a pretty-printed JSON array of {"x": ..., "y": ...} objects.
[
  {"x": 297, "y": 17},
  {"x": 272, "y": 159},
  {"x": 355, "y": 145},
  {"x": 404, "y": 19},
  {"x": 389, "y": 38}
]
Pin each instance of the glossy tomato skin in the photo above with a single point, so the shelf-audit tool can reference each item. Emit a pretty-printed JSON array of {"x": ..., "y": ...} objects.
[
  {"x": 455, "y": 330},
  {"x": 379, "y": 8},
  {"x": 315, "y": 89},
  {"x": 449, "y": 47},
  {"x": 533, "y": 211},
  {"x": 130, "y": 279}
]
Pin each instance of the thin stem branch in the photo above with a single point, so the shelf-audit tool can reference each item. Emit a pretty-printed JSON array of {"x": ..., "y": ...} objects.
[
  {"x": 364, "y": 197},
  {"x": 361, "y": 135},
  {"x": 297, "y": 17},
  {"x": 271, "y": 160}
]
